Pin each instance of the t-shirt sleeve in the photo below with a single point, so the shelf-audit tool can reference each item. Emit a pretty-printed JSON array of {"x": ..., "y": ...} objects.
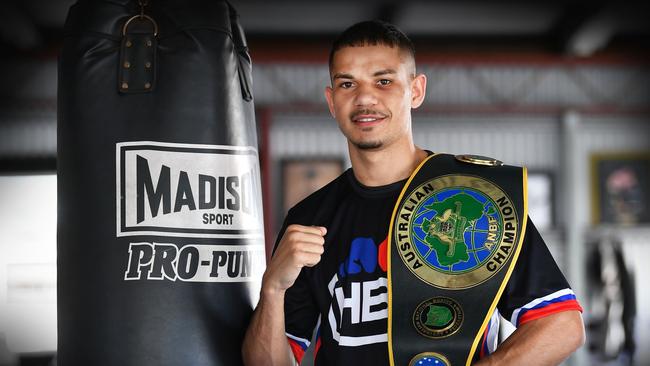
[
  {"x": 300, "y": 314},
  {"x": 300, "y": 310},
  {"x": 537, "y": 287}
]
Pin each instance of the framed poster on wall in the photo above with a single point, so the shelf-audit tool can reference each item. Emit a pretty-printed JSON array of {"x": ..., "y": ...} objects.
[
  {"x": 302, "y": 177},
  {"x": 621, "y": 188}
]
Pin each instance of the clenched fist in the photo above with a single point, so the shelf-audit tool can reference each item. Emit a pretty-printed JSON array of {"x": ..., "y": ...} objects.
[{"x": 300, "y": 246}]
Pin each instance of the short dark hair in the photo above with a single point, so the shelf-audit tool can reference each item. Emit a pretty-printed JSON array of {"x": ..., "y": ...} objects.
[{"x": 372, "y": 32}]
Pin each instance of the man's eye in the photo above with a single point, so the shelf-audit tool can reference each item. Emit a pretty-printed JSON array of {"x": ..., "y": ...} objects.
[
  {"x": 346, "y": 84},
  {"x": 384, "y": 82}
]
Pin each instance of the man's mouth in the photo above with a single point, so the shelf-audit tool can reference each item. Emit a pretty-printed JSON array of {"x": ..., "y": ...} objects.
[{"x": 367, "y": 117}]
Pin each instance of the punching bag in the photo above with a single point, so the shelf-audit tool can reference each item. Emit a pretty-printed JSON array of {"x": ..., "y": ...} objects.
[{"x": 160, "y": 239}]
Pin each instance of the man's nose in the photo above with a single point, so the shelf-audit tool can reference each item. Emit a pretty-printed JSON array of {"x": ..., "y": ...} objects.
[{"x": 365, "y": 96}]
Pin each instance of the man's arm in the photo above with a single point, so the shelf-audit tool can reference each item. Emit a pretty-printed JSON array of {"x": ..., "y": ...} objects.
[
  {"x": 544, "y": 341},
  {"x": 265, "y": 342}
]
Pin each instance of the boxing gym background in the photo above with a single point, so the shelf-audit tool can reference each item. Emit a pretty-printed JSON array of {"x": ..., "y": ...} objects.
[{"x": 561, "y": 88}]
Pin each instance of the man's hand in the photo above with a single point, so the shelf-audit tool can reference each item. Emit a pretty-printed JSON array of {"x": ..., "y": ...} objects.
[
  {"x": 265, "y": 342},
  {"x": 300, "y": 246}
]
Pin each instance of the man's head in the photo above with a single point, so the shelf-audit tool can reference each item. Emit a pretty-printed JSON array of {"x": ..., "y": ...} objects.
[
  {"x": 374, "y": 85},
  {"x": 374, "y": 33}
]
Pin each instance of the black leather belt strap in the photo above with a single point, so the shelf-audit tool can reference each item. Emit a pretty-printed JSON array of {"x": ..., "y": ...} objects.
[{"x": 455, "y": 235}]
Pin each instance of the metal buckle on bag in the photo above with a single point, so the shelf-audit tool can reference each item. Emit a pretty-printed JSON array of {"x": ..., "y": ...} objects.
[{"x": 140, "y": 17}]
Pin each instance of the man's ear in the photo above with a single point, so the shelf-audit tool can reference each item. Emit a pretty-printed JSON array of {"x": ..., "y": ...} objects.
[
  {"x": 330, "y": 103},
  {"x": 418, "y": 90}
]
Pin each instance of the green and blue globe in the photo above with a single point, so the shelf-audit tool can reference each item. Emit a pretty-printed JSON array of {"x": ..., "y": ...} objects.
[{"x": 452, "y": 230}]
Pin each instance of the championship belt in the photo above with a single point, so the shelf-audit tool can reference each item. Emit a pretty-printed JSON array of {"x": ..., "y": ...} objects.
[{"x": 454, "y": 237}]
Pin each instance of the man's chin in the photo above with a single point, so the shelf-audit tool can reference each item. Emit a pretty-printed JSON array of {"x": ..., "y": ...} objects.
[{"x": 368, "y": 145}]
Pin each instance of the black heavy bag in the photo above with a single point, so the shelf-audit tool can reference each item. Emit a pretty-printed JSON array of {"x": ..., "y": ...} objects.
[{"x": 160, "y": 241}]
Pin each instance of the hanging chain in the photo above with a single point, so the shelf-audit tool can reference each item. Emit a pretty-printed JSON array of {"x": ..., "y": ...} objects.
[{"x": 143, "y": 4}]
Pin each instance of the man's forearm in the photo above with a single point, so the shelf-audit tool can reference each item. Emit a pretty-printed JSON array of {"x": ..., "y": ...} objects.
[
  {"x": 545, "y": 341},
  {"x": 265, "y": 342}
]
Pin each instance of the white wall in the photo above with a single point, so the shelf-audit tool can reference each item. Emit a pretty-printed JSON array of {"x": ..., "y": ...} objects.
[{"x": 28, "y": 263}]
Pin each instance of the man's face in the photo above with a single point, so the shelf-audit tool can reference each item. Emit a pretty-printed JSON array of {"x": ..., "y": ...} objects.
[{"x": 373, "y": 91}]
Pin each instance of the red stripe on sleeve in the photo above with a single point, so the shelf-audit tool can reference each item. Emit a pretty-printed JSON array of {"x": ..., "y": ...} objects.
[
  {"x": 316, "y": 348},
  {"x": 298, "y": 352},
  {"x": 550, "y": 309}
]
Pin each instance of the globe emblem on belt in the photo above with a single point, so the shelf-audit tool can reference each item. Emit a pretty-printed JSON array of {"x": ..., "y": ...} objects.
[{"x": 456, "y": 231}]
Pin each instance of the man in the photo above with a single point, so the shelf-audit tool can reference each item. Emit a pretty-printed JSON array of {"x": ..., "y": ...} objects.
[{"x": 328, "y": 272}]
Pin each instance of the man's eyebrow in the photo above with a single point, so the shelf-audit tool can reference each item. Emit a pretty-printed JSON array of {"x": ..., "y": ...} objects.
[
  {"x": 384, "y": 72},
  {"x": 341, "y": 75}
]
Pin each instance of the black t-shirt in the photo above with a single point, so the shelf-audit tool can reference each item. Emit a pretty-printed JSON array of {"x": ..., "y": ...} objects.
[{"x": 344, "y": 297}]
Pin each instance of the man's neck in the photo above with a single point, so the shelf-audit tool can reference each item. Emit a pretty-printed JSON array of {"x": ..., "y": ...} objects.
[{"x": 385, "y": 166}]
